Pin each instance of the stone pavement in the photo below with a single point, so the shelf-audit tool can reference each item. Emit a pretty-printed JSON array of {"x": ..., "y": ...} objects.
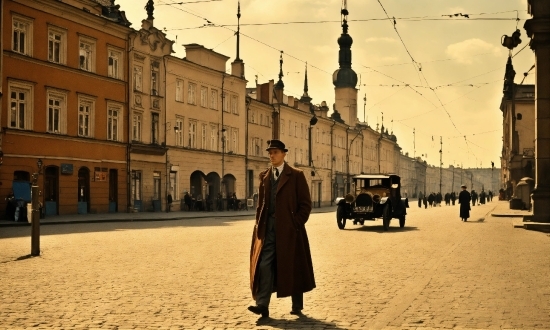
[{"x": 436, "y": 273}]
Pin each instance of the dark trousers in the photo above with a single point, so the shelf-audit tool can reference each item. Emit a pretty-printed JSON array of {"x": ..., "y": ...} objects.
[{"x": 268, "y": 260}]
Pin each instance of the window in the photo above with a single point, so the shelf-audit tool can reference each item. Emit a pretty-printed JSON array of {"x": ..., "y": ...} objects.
[
  {"x": 136, "y": 126},
  {"x": 252, "y": 116},
  {"x": 155, "y": 128},
  {"x": 234, "y": 107},
  {"x": 87, "y": 54},
  {"x": 21, "y": 98},
  {"x": 204, "y": 96},
  {"x": 203, "y": 136},
  {"x": 214, "y": 99},
  {"x": 234, "y": 140},
  {"x": 22, "y": 35},
  {"x": 85, "y": 116},
  {"x": 282, "y": 127},
  {"x": 57, "y": 112},
  {"x": 57, "y": 45},
  {"x": 295, "y": 129},
  {"x": 179, "y": 90},
  {"x": 115, "y": 64},
  {"x": 113, "y": 120},
  {"x": 136, "y": 185},
  {"x": 155, "y": 78},
  {"x": 179, "y": 132},
  {"x": 138, "y": 78},
  {"x": 225, "y": 102},
  {"x": 156, "y": 185},
  {"x": 261, "y": 118},
  {"x": 213, "y": 138},
  {"x": 191, "y": 88},
  {"x": 192, "y": 134},
  {"x": 317, "y": 135}
]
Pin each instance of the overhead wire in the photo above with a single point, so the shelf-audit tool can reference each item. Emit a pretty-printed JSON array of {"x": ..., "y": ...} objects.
[{"x": 416, "y": 64}]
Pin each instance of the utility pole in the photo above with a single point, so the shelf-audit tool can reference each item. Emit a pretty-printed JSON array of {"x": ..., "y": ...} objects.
[
  {"x": 414, "y": 143},
  {"x": 440, "y": 163},
  {"x": 364, "y": 108}
]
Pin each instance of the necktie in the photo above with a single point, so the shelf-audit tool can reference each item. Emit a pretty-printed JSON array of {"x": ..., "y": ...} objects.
[{"x": 276, "y": 173}]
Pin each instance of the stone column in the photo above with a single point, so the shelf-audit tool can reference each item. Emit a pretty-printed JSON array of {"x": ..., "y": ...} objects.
[{"x": 538, "y": 29}]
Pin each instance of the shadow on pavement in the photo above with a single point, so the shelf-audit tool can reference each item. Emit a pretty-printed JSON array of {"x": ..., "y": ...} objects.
[
  {"x": 107, "y": 226},
  {"x": 302, "y": 322},
  {"x": 380, "y": 229}
]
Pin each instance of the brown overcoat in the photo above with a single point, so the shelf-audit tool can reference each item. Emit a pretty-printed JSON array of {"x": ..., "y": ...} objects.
[{"x": 294, "y": 269}]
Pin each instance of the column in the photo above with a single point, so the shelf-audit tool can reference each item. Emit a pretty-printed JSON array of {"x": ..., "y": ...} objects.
[{"x": 538, "y": 29}]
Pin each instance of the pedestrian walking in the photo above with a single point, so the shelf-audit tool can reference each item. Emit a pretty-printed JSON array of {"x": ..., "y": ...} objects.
[
  {"x": 420, "y": 196},
  {"x": 425, "y": 201},
  {"x": 453, "y": 197},
  {"x": 464, "y": 200},
  {"x": 280, "y": 246}
]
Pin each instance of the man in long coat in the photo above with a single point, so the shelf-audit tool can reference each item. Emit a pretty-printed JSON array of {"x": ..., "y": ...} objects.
[
  {"x": 280, "y": 258},
  {"x": 464, "y": 201}
]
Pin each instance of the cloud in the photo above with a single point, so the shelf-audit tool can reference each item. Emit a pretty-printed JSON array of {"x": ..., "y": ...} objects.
[
  {"x": 384, "y": 39},
  {"x": 465, "y": 52}
]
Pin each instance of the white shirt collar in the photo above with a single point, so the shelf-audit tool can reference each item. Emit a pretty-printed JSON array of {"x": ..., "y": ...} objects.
[{"x": 280, "y": 168}]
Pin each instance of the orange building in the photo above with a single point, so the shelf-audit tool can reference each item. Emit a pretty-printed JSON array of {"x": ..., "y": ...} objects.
[{"x": 64, "y": 104}]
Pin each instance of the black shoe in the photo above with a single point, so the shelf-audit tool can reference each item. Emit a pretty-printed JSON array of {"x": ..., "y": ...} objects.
[
  {"x": 296, "y": 312},
  {"x": 264, "y": 311}
]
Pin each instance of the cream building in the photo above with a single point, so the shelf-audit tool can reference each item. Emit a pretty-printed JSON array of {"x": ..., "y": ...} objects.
[
  {"x": 148, "y": 50},
  {"x": 206, "y": 126}
]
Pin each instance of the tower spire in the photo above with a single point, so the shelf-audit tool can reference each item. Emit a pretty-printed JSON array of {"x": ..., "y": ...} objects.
[
  {"x": 305, "y": 98},
  {"x": 238, "y": 30},
  {"x": 150, "y": 7},
  {"x": 345, "y": 76},
  {"x": 280, "y": 84}
]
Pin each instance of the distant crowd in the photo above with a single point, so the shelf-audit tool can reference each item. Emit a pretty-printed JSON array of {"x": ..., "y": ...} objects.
[{"x": 435, "y": 199}]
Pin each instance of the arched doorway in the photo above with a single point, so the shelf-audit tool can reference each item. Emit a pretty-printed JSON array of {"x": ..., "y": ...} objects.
[
  {"x": 51, "y": 190},
  {"x": 198, "y": 182},
  {"x": 83, "y": 190},
  {"x": 229, "y": 184},
  {"x": 213, "y": 180}
]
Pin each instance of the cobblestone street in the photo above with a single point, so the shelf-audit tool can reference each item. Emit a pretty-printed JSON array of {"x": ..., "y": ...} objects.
[{"x": 436, "y": 273}]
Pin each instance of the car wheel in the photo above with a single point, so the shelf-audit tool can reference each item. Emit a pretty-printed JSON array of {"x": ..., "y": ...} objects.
[
  {"x": 402, "y": 221},
  {"x": 340, "y": 217},
  {"x": 362, "y": 222},
  {"x": 386, "y": 217}
]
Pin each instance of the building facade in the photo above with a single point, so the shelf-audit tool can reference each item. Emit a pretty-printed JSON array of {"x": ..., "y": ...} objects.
[{"x": 64, "y": 77}]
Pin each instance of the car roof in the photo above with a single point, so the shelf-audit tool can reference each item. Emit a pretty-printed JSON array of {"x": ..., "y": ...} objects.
[{"x": 374, "y": 176}]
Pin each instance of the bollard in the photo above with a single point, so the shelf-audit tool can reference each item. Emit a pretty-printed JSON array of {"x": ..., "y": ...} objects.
[{"x": 35, "y": 222}]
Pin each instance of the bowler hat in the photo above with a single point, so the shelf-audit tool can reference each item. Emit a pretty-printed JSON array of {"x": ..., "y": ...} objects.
[
  {"x": 276, "y": 144},
  {"x": 463, "y": 186}
]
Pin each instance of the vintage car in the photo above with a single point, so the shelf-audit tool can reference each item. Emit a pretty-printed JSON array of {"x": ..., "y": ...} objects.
[{"x": 372, "y": 196}]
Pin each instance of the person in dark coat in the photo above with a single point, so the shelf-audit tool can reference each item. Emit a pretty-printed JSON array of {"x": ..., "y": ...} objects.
[
  {"x": 188, "y": 201},
  {"x": 447, "y": 199},
  {"x": 464, "y": 200},
  {"x": 438, "y": 199},
  {"x": 474, "y": 197},
  {"x": 280, "y": 258},
  {"x": 453, "y": 197},
  {"x": 482, "y": 197},
  {"x": 425, "y": 201},
  {"x": 431, "y": 199},
  {"x": 420, "y": 197}
]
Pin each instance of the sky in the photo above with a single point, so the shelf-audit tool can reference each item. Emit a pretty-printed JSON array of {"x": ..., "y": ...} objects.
[{"x": 431, "y": 70}]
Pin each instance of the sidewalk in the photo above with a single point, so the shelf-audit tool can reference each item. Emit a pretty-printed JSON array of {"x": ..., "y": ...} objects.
[
  {"x": 503, "y": 210},
  {"x": 142, "y": 216}
]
